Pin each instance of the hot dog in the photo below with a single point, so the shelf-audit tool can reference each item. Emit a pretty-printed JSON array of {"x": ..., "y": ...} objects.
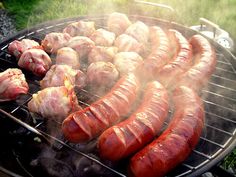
[
  {"x": 160, "y": 52},
  {"x": 205, "y": 61},
  {"x": 181, "y": 61},
  {"x": 88, "y": 123},
  {"x": 176, "y": 142},
  {"x": 128, "y": 136}
]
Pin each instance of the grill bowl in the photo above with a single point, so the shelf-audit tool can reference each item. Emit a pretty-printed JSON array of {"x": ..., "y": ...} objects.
[{"x": 217, "y": 140}]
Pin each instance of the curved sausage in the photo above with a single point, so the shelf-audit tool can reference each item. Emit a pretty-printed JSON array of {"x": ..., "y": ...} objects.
[
  {"x": 176, "y": 142},
  {"x": 88, "y": 123},
  {"x": 205, "y": 62},
  {"x": 160, "y": 52},
  {"x": 181, "y": 61},
  {"x": 139, "y": 129}
]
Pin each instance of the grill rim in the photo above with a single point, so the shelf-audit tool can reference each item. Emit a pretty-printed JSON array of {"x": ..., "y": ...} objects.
[{"x": 27, "y": 32}]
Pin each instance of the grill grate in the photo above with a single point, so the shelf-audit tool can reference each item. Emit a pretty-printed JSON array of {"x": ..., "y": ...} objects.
[{"x": 218, "y": 137}]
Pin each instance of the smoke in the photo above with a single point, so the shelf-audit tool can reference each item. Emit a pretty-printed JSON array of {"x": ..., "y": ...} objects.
[
  {"x": 50, "y": 10},
  {"x": 59, "y": 9}
]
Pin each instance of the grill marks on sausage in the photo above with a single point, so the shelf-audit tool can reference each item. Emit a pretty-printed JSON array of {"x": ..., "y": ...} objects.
[
  {"x": 140, "y": 128},
  {"x": 160, "y": 52},
  {"x": 180, "y": 63},
  {"x": 175, "y": 144},
  {"x": 204, "y": 64},
  {"x": 90, "y": 122}
]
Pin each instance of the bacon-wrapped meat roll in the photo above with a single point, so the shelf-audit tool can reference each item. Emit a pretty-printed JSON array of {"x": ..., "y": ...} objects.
[
  {"x": 68, "y": 56},
  {"x": 54, "y": 41},
  {"x": 16, "y": 48},
  {"x": 82, "y": 45},
  {"x": 139, "y": 31},
  {"x": 57, "y": 75},
  {"x": 80, "y": 28},
  {"x": 54, "y": 102},
  {"x": 103, "y": 37},
  {"x": 12, "y": 84},
  {"x": 126, "y": 43},
  {"x": 102, "y": 73},
  {"x": 118, "y": 23},
  {"x": 100, "y": 53},
  {"x": 35, "y": 60},
  {"x": 127, "y": 61}
]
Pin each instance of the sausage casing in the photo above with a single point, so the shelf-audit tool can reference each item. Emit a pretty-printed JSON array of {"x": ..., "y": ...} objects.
[{"x": 176, "y": 142}]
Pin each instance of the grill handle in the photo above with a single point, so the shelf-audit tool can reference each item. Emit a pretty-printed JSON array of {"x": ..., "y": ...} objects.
[
  {"x": 163, "y": 6},
  {"x": 204, "y": 21},
  {"x": 156, "y": 5}
]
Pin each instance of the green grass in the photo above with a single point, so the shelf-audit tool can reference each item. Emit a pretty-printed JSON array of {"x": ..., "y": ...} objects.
[
  {"x": 230, "y": 161},
  {"x": 222, "y": 12},
  {"x": 30, "y": 12}
]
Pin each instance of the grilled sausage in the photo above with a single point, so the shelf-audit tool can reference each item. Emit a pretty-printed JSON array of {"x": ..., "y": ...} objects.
[
  {"x": 86, "y": 124},
  {"x": 176, "y": 142},
  {"x": 139, "y": 129},
  {"x": 159, "y": 53},
  {"x": 205, "y": 62},
  {"x": 181, "y": 62}
]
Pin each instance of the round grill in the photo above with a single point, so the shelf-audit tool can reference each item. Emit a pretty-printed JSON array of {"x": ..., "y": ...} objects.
[{"x": 218, "y": 137}]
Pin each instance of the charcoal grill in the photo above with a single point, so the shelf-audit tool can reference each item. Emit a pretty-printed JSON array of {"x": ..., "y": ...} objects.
[{"x": 23, "y": 133}]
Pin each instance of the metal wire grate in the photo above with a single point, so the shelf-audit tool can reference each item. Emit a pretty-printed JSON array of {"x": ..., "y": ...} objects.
[{"x": 218, "y": 137}]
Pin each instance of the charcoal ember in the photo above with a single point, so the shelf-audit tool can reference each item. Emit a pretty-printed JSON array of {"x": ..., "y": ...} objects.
[
  {"x": 52, "y": 167},
  {"x": 86, "y": 167}
]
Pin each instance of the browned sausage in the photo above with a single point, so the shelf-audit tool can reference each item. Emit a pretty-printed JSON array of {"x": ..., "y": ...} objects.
[
  {"x": 205, "y": 62},
  {"x": 90, "y": 122},
  {"x": 176, "y": 142},
  {"x": 180, "y": 63},
  {"x": 160, "y": 53},
  {"x": 127, "y": 137}
]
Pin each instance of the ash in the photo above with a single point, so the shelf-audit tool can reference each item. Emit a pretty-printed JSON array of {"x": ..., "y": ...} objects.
[{"x": 7, "y": 26}]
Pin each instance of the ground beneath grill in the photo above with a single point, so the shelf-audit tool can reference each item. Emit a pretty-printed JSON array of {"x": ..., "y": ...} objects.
[{"x": 7, "y": 26}]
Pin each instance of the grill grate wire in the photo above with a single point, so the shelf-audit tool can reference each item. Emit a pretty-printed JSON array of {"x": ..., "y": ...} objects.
[{"x": 215, "y": 135}]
